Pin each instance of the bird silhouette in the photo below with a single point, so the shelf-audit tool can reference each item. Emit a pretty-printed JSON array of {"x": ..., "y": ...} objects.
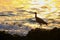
[{"x": 39, "y": 20}]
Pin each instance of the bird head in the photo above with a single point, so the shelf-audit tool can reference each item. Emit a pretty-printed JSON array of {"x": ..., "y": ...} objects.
[{"x": 35, "y": 13}]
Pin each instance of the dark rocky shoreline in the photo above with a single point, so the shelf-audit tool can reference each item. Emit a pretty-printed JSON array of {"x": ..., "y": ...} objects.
[{"x": 34, "y": 34}]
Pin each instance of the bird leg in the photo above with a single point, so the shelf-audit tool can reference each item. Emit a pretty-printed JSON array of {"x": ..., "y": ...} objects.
[{"x": 40, "y": 25}]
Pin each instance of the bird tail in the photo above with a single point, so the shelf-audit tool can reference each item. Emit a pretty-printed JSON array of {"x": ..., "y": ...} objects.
[{"x": 47, "y": 24}]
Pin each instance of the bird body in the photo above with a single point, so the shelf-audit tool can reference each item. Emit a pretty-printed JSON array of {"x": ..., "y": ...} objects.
[{"x": 39, "y": 20}]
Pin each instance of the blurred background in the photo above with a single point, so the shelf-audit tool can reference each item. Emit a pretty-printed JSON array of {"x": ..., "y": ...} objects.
[{"x": 16, "y": 16}]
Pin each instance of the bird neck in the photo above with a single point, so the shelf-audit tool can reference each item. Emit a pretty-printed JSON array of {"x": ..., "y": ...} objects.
[{"x": 35, "y": 15}]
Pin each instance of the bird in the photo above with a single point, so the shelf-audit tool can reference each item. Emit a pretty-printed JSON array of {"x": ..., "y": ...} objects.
[{"x": 39, "y": 20}]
